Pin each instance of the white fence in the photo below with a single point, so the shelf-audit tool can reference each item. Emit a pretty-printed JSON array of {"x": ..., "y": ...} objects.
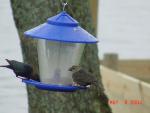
[{"x": 126, "y": 94}]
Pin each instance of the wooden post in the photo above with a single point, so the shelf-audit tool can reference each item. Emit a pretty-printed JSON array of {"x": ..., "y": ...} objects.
[
  {"x": 94, "y": 9},
  {"x": 111, "y": 60}
]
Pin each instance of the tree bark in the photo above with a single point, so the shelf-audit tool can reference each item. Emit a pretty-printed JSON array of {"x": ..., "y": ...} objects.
[{"x": 30, "y": 13}]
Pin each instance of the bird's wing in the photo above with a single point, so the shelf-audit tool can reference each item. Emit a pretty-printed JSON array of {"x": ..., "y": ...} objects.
[
  {"x": 80, "y": 77},
  {"x": 28, "y": 68},
  {"x": 83, "y": 77}
]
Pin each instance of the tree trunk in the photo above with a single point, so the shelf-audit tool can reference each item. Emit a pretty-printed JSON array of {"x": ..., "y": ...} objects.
[{"x": 30, "y": 13}]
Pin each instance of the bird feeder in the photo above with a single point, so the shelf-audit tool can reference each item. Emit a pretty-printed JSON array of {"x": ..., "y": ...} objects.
[{"x": 60, "y": 45}]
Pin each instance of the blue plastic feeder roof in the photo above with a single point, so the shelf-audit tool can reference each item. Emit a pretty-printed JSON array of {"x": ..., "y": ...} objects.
[
  {"x": 52, "y": 87},
  {"x": 63, "y": 28}
]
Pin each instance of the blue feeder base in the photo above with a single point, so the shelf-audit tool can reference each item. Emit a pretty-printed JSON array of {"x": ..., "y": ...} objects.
[{"x": 53, "y": 87}]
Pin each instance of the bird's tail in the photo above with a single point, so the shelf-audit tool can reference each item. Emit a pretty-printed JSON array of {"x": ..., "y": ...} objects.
[
  {"x": 7, "y": 66},
  {"x": 8, "y": 61}
]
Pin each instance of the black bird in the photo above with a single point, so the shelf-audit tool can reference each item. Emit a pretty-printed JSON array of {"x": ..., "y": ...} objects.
[
  {"x": 20, "y": 69},
  {"x": 82, "y": 77}
]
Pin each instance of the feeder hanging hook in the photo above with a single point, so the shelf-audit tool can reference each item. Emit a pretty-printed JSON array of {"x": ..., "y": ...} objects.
[{"x": 64, "y": 4}]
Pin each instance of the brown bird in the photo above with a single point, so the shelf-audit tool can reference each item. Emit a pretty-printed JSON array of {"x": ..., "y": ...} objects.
[
  {"x": 20, "y": 69},
  {"x": 82, "y": 77}
]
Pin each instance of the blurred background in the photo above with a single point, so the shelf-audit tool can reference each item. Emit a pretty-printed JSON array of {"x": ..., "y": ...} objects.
[
  {"x": 123, "y": 28},
  {"x": 124, "y": 37},
  {"x": 123, "y": 31},
  {"x": 13, "y": 96}
]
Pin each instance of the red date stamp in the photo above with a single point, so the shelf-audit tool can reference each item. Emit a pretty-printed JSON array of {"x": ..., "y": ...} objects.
[{"x": 131, "y": 102}]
